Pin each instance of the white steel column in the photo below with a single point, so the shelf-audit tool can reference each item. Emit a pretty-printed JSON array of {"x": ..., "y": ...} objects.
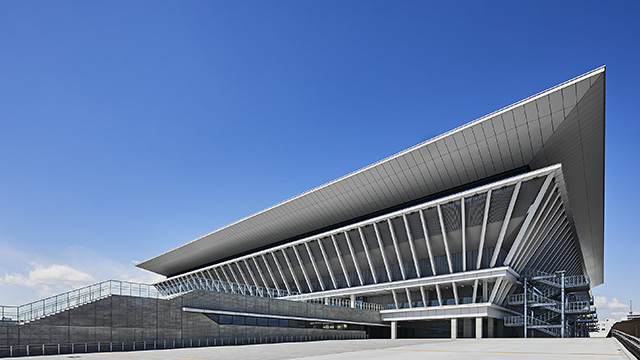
[
  {"x": 199, "y": 277},
  {"x": 213, "y": 283},
  {"x": 244, "y": 278},
  {"x": 366, "y": 252},
  {"x": 551, "y": 216},
  {"x": 455, "y": 292},
  {"x": 340, "y": 260},
  {"x": 439, "y": 294},
  {"x": 221, "y": 279},
  {"x": 496, "y": 286},
  {"x": 394, "y": 330},
  {"x": 253, "y": 278},
  {"x": 483, "y": 232},
  {"x": 304, "y": 271},
  {"x": 475, "y": 291},
  {"x": 409, "y": 297},
  {"x": 353, "y": 257},
  {"x": 454, "y": 328},
  {"x": 395, "y": 298},
  {"x": 235, "y": 278},
  {"x": 293, "y": 274},
  {"x": 228, "y": 280},
  {"x": 315, "y": 266},
  {"x": 542, "y": 221},
  {"x": 539, "y": 225},
  {"x": 273, "y": 279},
  {"x": 397, "y": 250},
  {"x": 382, "y": 252},
  {"x": 426, "y": 240},
  {"x": 411, "y": 245},
  {"x": 284, "y": 279},
  {"x": 424, "y": 298},
  {"x": 505, "y": 224},
  {"x": 326, "y": 261},
  {"x": 485, "y": 290},
  {"x": 444, "y": 239},
  {"x": 464, "y": 235},
  {"x": 531, "y": 213},
  {"x": 542, "y": 233},
  {"x": 264, "y": 282},
  {"x": 503, "y": 294},
  {"x": 478, "y": 328}
]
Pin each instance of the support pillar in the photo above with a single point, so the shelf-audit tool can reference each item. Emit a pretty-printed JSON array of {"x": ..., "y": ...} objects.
[
  {"x": 394, "y": 330},
  {"x": 326, "y": 301},
  {"x": 454, "y": 328},
  {"x": 485, "y": 291},
  {"x": 564, "y": 324},
  {"x": 478, "y": 328},
  {"x": 353, "y": 301}
]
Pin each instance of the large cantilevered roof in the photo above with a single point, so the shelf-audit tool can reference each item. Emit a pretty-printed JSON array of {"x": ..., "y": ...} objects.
[{"x": 564, "y": 124}]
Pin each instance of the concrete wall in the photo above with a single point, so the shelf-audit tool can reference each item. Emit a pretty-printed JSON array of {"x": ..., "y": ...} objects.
[{"x": 127, "y": 319}]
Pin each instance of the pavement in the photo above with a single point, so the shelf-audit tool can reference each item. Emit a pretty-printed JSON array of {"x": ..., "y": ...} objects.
[{"x": 371, "y": 349}]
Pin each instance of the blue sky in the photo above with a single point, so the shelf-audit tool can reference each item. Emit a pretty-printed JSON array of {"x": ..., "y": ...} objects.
[{"x": 128, "y": 128}]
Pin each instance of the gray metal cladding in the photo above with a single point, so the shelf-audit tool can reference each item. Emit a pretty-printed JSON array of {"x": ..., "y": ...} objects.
[{"x": 563, "y": 125}]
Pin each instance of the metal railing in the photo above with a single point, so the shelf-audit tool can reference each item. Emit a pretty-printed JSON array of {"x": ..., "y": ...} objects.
[
  {"x": 579, "y": 307},
  {"x": 533, "y": 299},
  {"x": 195, "y": 283},
  {"x": 573, "y": 281},
  {"x": 533, "y": 323},
  {"x": 346, "y": 303},
  {"x": 198, "y": 283},
  {"x": 631, "y": 342},
  {"x": 92, "y": 347},
  {"x": 70, "y": 299}
]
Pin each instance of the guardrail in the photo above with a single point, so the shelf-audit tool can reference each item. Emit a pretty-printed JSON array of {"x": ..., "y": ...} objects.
[
  {"x": 84, "y": 295},
  {"x": 198, "y": 283},
  {"x": 57, "y": 303},
  {"x": 570, "y": 281},
  {"x": 92, "y": 347},
  {"x": 346, "y": 303},
  {"x": 631, "y": 342}
]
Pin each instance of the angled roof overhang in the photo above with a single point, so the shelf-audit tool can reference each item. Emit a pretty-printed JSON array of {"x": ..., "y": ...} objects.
[{"x": 562, "y": 125}]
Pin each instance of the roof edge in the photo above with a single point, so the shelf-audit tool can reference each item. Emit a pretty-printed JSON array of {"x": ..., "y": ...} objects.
[{"x": 522, "y": 102}]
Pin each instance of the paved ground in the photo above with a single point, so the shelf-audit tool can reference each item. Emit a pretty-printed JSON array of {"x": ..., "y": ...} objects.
[{"x": 546, "y": 349}]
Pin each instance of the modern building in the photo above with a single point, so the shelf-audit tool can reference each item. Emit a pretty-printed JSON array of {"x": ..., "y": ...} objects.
[{"x": 491, "y": 228}]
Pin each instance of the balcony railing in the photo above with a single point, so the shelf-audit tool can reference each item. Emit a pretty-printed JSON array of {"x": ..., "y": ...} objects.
[{"x": 346, "y": 303}]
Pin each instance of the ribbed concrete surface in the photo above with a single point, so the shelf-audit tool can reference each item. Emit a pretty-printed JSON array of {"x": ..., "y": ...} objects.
[{"x": 548, "y": 349}]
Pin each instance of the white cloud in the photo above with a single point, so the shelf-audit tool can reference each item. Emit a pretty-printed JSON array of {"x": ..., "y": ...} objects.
[
  {"x": 49, "y": 280},
  {"x": 28, "y": 277},
  {"x": 603, "y": 303},
  {"x": 618, "y": 316}
]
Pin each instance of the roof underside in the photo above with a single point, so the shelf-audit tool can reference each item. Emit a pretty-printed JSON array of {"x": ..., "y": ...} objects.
[{"x": 564, "y": 124}]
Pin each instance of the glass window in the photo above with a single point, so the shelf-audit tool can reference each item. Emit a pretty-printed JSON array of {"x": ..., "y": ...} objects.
[
  {"x": 225, "y": 319},
  {"x": 283, "y": 323},
  {"x": 263, "y": 322},
  {"x": 273, "y": 322},
  {"x": 250, "y": 320},
  {"x": 238, "y": 320}
]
